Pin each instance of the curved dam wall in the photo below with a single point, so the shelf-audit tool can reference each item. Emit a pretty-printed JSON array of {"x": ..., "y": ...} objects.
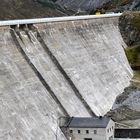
[
  {"x": 91, "y": 53},
  {"x": 55, "y": 69}
]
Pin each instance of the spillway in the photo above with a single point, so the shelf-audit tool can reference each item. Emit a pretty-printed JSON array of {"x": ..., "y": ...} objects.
[{"x": 56, "y": 69}]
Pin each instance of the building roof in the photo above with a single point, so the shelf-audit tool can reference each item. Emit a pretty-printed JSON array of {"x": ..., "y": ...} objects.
[{"x": 94, "y": 122}]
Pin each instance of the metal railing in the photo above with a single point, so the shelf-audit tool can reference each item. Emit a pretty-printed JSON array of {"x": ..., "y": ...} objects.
[{"x": 55, "y": 19}]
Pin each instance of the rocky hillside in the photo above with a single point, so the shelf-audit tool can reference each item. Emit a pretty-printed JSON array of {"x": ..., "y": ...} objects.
[
  {"x": 13, "y": 9},
  {"x": 130, "y": 29},
  {"x": 81, "y": 5},
  {"x": 20, "y": 9},
  {"x": 118, "y": 6},
  {"x": 74, "y": 6},
  {"x": 126, "y": 109}
]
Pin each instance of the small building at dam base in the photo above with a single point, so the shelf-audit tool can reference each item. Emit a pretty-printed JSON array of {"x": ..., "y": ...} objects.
[{"x": 95, "y": 128}]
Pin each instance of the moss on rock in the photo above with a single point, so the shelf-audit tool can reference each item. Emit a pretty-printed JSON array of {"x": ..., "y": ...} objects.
[
  {"x": 133, "y": 55},
  {"x": 130, "y": 29}
]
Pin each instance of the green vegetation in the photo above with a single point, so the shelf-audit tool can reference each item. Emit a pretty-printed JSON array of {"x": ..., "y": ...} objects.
[
  {"x": 137, "y": 76},
  {"x": 135, "y": 20},
  {"x": 133, "y": 51},
  {"x": 133, "y": 55}
]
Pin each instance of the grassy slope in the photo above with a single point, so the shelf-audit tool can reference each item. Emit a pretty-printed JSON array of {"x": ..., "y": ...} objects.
[{"x": 133, "y": 55}]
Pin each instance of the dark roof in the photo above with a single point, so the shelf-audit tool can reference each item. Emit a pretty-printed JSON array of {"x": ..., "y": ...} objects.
[{"x": 94, "y": 122}]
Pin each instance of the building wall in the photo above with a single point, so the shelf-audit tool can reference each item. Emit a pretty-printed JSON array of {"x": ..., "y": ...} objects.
[
  {"x": 110, "y": 130},
  {"x": 101, "y": 133}
]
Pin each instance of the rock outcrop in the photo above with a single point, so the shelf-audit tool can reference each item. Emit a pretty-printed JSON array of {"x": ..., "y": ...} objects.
[
  {"x": 118, "y": 6},
  {"x": 76, "y": 6},
  {"x": 126, "y": 108},
  {"x": 130, "y": 27},
  {"x": 81, "y": 5},
  {"x": 20, "y": 9}
]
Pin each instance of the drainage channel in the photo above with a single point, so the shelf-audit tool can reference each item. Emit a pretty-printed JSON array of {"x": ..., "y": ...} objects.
[
  {"x": 14, "y": 35},
  {"x": 55, "y": 61}
]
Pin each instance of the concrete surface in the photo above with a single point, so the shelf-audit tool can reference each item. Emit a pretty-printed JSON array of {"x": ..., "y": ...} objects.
[
  {"x": 91, "y": 53},
  {"x": 80, "y": 74},
  {"x": 27, "y": 111},
  {"x": 52, "y": 76}
]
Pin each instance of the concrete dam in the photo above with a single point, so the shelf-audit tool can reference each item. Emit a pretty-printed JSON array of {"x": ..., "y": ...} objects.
[{"x": 71, "y": 67}]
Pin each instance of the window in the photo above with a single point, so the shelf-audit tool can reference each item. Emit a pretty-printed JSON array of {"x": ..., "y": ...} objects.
[
  {"x": 108, "y": 130},
  {"x": 95, "y": 131},
  {"x": 112, "y": 127},
  {"x": 87, "y": 131},
  {"x": 71, "y": 131},
  {"x": 87, "y": 138},
  {"x": 79, "y": 131}
]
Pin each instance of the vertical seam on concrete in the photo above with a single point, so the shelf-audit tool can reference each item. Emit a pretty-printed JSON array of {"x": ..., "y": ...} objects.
[
  {"x": 60, "y": 68},
  {"x": 37, "y": 73}
]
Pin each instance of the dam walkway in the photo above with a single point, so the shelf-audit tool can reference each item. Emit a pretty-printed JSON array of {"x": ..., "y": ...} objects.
[{"x": 55, "y": 19}]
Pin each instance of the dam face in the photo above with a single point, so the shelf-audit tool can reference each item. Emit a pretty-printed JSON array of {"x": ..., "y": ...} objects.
[{"x": 70, "y": 68}]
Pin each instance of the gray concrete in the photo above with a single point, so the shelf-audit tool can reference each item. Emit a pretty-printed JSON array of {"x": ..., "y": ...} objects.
[
  {"x": 91, "y": 55},
  {"x": 52, "y": 75},
  {"x": 27, "y": 111}
]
